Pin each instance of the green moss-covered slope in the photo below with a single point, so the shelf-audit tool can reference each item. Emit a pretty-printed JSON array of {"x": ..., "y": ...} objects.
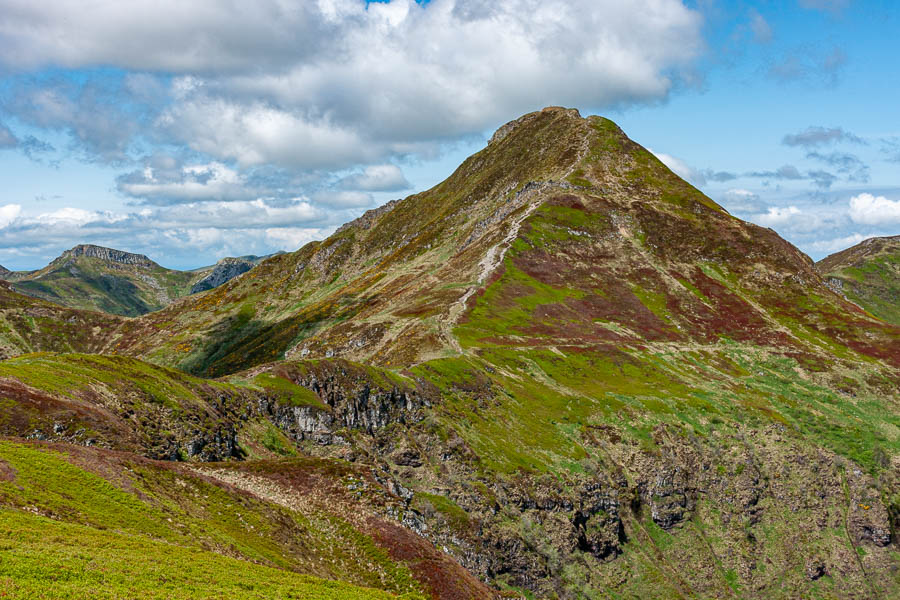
[
  {"x": 869, "y": 275},
  {"x": 89, "y": 523}
]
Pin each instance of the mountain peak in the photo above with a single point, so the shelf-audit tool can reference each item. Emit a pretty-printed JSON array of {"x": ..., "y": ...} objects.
[
  {"x": 561, "y": 232},
  {"x": 506, "y": 129},
  {"x": 107, "y": 254}
]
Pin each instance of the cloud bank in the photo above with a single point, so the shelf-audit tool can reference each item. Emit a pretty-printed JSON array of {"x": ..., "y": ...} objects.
[
  {"x": 203, "y": 104},
  {"x": 332, "y": 84}
]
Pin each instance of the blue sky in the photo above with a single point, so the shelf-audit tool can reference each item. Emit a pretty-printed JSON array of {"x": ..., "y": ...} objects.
[{"x": 188, "y": 132}]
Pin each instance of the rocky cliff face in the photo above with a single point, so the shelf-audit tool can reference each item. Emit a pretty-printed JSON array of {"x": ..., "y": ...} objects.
[
  {"x": 107, "y": 254},
  {"x": 351, "y": 401},
  {"x": 224, "y": 270}
]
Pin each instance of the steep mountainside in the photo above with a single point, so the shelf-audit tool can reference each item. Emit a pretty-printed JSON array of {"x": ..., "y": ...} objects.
[
  {"x": 320, "y": 516},
  {"x": 564, "y": 367},
  {"x": 277, "y": 528},
  {"x": 869, "y": 275},
  {"x": 569, "y": 231},
  {"x": 116, "y": 282},
  {"x": 32, "y": 325}
]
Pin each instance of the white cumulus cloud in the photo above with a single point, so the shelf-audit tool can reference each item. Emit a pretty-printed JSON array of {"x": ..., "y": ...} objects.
[
  {"x": 838, "y": 244},
  {"x": 341, "y": 83},
  {"x": 212, "y": 180},
  {"x": 9, "y": 213},
  {"x": 867, "y": 209}
]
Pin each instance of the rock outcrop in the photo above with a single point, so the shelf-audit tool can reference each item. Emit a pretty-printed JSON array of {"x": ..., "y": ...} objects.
[
  {"x": 107, "y": 254},
  {"x": 225, "y": 270}
]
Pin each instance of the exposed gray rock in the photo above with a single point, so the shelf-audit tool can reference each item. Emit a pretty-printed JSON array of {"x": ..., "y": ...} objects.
[
  {"x": 225, "y": 270},
  {"x": 107, "y": 254}
]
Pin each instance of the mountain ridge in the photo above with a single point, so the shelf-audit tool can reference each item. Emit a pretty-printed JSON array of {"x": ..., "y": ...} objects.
[
  {"x": 106, "y": 254},
  {"x": 868, "y": 274},
  {"x": 94, "y": 277},
  {"x": 563, "y": 365},
  {"x": 439, "y": 254}
]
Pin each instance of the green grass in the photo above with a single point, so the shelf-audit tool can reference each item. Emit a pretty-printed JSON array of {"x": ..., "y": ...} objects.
[
  {"x": 159, "y": 507},
  {"x": 261, "y": 439},
  {"x": 67, "y": 374},
  {"x": 287, "y": 391},
  {"x": 550, "y": 400},
  {"x": 508, "y": 309},
  {"x": 456, "y": 516},
  {"x": 45, "y": 558},
  {"x": 875, "y": 286}
]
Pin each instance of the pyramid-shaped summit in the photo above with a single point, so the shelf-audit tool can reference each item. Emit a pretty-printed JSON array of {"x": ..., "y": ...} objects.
[{"x": 562, "y": 231}]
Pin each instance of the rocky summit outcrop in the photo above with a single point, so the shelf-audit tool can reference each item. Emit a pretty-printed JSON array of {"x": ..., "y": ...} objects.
[{"x": 107, "y": 254}]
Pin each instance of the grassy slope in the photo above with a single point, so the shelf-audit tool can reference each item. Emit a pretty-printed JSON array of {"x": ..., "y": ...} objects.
[
  {"x": 630, "y": 316},
  {"x": 32, "y": 325},
  {"x": 75, "y": 524},
  {"x": 869, "y": 275},
  {"x": 124, "y": 403}
]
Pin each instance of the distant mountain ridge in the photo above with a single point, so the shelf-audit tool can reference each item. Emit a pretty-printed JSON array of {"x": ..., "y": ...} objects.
[
  {"x": 107, "y": 254},
  {"x": 92, "y": 277},
  {"x": 868, "y": 274}
]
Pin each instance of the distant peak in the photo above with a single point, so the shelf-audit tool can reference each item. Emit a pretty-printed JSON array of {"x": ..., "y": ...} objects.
[
  {"x": 107, "y": 254},
  {"x": 234, "y": 260}
]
